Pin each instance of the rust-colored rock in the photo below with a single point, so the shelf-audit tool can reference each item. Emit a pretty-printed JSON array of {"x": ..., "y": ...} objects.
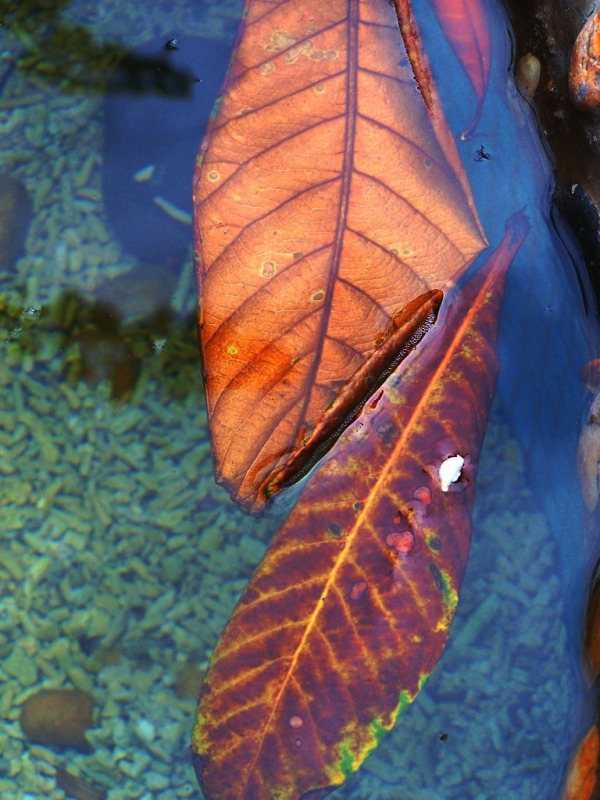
[
  {"x": 584, "y": 69},
  {"x": 58, "y": 717}
]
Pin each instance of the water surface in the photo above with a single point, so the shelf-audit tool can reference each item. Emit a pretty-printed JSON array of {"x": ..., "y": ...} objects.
[{"x": 122, "y": 559}]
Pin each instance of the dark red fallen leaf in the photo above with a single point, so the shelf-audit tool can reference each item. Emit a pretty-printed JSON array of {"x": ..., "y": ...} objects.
[{"x": 350, "y": 609}]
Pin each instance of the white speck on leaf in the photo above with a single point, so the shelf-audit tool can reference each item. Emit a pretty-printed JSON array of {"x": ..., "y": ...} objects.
[{"x": 449, "y": 471}]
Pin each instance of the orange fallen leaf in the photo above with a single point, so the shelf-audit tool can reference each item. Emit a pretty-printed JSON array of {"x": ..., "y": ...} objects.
[
  {"x": 350, "y": 609},
  {"x": 328, "y": 196}
]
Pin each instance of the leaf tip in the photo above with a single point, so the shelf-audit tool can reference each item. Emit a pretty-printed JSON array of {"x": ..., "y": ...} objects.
[
  {"x": 518, "y": 225},
  {"x": 198, "y": 765}
]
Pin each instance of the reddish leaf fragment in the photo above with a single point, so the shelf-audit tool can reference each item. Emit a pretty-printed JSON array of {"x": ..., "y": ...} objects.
[
  {"x": 582, "y": 779},
  {"x": 466, "y": 25},
  {"x": 350, "y": 609},
  {"x": 415, "y": 52}
]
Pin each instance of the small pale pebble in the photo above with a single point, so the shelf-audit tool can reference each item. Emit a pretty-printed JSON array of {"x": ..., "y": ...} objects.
[
  {"x": 187, "y": 790},
  {"x": 528, "y": 74},
  {"x": 135, "y": 768},
  {"x": 22, "y": 667},
  {"x": 251, "y": 550},
  {"x": 145, "y": 729},
  {"x": 155, "y": 781},
  {"x": 120, "y": 733}
]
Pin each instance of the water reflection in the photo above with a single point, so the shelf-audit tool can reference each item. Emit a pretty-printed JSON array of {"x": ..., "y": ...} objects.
[
  {"x": 50, "y": 47},
  {"x": 45, "y": 43},
  {"x": 106, "y": 548},
  {"x": 120, "y": 557},
  {"x": 98, "y": 340},
  {"x": 163, "y": 91}
]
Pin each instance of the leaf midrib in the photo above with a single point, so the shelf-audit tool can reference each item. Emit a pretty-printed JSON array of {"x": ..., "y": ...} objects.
[{"x": 352, "y": 34}]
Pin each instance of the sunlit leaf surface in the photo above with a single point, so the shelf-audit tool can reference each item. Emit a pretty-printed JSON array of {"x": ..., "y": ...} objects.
[{"x": 328, "y": 196}]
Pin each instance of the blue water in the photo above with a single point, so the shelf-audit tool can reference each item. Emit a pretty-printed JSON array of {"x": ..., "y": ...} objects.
[{"x": 158, "y": 550}]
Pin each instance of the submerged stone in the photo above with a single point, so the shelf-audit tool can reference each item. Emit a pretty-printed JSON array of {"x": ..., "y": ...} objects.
[{"x": 58, "y": 717}]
